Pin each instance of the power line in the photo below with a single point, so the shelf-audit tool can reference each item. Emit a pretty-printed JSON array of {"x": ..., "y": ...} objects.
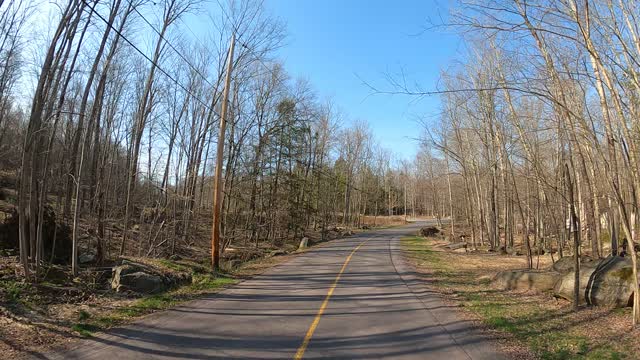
[
  {"x": 199, "y": 73},
  {"x": 149, "y": 59},
  {"x": 193, "y": 67}
]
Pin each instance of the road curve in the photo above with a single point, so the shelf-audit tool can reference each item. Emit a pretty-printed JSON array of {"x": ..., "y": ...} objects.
[{"x": 330, "y": 302}]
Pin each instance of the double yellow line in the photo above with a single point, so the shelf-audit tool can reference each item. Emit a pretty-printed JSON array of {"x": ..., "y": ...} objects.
[{"x": 316, "y": 321}]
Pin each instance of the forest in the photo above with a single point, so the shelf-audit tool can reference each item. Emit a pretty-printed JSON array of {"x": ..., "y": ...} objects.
[
  {"x": 117, "y": 121},
  {"x": 109, "y": 129},
  {"x": 540, "y": 124}
]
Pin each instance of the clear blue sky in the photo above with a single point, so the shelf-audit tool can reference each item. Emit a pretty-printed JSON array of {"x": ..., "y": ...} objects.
[{"x": 332, "y": 42}]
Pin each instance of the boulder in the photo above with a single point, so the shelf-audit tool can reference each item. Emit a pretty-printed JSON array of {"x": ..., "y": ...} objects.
[
  {"x": 144, "y": 279},
  {"x": 277, "y": 252},
  {"x": 57, "y": 275},
  {"x": 565, "y": 265},
  {"x": 131, "y": 277},
  {"x": 87, "y": 258},
  {"x": 347, "y": 233},
  {"x": 304, "y": 243},
  {"x": 457, "y": 246},
  {"x": 429, "y": 231},
  {"x": 612, "y": 283},
  {"x": 609, "y": 283},
  {"x": 141, "y": 282},
  {"x": 527, "y": 280}
]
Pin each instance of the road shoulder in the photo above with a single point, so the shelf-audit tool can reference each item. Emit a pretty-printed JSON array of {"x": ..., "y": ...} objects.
[{"x": 466, "y": 333}]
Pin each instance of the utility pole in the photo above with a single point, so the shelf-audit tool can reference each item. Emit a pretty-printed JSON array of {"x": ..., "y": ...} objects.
[
  {"x": 389, "y": 193},
  {"x": 217, "y": 181},
  {"x": 405, "y": 198}
]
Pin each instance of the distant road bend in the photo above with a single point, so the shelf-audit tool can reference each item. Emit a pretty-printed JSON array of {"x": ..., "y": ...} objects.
[{"x": 352, "y": 298}]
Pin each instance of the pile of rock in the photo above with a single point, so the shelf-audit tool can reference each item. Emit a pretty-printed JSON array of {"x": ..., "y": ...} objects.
[
  {"x": 145, "y": 279},
  {"x": 604, "y": 282}
]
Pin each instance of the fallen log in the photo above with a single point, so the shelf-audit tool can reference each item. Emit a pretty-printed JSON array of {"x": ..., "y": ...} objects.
[{"x": 456, "y": 246}]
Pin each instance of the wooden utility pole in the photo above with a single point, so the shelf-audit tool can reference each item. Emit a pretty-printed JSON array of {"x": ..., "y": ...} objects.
[
  {"x": 405, "y": 199},
  {"x": 217, "y": 181}
]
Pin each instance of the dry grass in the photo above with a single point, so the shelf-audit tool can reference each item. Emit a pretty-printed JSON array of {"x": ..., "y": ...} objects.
[
  {"x": 529, "y": 324},
  {"x": 382, "y": 221}
]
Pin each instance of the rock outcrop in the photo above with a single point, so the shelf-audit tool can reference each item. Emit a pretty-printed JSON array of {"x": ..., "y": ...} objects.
[{"x": 56, "y": 236}]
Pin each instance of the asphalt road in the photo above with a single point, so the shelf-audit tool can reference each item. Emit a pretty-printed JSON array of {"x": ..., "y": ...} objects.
[{"x": 329, "y": 302}]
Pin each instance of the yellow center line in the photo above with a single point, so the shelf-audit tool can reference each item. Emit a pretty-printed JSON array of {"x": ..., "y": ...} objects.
[{"x": 316, "y": 321}]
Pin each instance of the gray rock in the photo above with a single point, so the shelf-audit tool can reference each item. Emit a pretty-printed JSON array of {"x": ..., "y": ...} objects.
[
  {"x": 141, "y": 282},
  {"x": 304, "y": 243},
  {"x": 609, "y": 283},
  {"x": 527, "y": 280},
  {"x": 612, "y": 283},
  {"x": 456, "y": 246},
  {"x": 133, "y": 277},
  {"x": 277, "y": 252},
  {"x": 143, "y": 279},
  {"x": 86, "y": 258},
  {"x": 565, "y": 265}
]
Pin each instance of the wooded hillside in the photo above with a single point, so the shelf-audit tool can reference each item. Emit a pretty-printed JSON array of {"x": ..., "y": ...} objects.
[{"x": 109, "y": 135}]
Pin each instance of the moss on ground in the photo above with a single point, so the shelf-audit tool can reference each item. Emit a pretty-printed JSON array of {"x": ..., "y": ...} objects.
[{"x": 550, "y": 332}]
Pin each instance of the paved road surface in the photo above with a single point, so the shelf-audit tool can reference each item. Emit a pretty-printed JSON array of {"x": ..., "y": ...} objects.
[{"x": 377, "y": 309}]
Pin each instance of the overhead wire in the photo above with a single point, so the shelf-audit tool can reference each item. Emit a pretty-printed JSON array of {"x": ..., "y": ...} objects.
[
  {"x": 193, "y": 67},
  {"x": 203, "y": 103},
  {"x": 170, "y": 77}
]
